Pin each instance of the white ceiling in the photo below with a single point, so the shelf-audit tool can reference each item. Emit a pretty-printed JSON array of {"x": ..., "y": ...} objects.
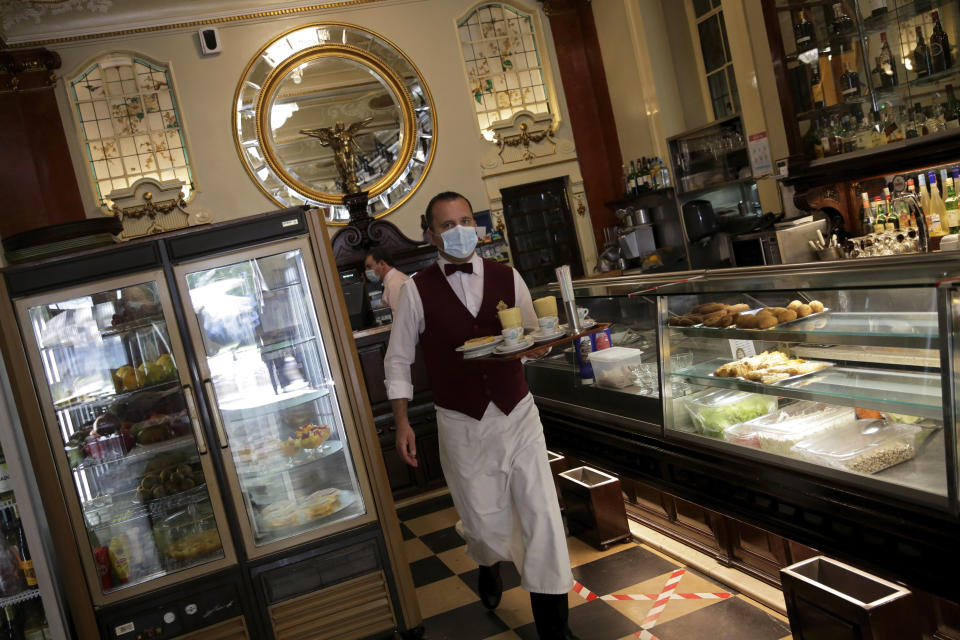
[{"x": 29, "y": 21}]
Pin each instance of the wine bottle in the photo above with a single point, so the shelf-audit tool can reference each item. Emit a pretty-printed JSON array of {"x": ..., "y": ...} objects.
[
  {"x": 26, "y": 562},
  {"x": 922, "y": 62},
  {"x": 952, "y": 207},
  {"x": 841, "y": 21},
  {"x": 866, "y": 215},
  {"x": 886, "y": 64},
  {"x": 803, "y": 32},
  {"x": 632, "y": 179},
  {"x": 938, "y": 211},
  {"x": 892, "y": 217},
  {"x": 879, "y": 216},
  {"x": 816, "y": 87},
  {"x": 849, "y": 84},
  {"x": 940, "y": 58},
  {"x": 952, "y": 112}
]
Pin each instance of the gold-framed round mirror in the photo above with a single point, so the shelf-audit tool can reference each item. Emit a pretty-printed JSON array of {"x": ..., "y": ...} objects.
[{"x": 326, "y": 97}]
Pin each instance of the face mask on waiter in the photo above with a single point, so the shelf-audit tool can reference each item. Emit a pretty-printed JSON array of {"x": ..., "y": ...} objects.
[{"x": 460, "y": 241}]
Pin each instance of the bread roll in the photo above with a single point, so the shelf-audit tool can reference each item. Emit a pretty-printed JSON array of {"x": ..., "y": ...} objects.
[
  {"x": 804, "y": 310},
  {"x": 765, "y": 321},
  {"x": 816, "y": 306},
  {"x": 747, "y": 321},
  {"x": 709, "y": 307},
  {"x": 711, "y": 318},
  {"x": 786, "y": 315},
  {"x": 737, "y": 308},
  {"x": 727, "y": 320},
  {"x": 794, "y": 304}
]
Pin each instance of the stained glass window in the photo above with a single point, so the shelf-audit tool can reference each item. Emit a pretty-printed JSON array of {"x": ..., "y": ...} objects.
[
  {"x": 504, "y": 66},
  {"x": 130, "y": 124}
]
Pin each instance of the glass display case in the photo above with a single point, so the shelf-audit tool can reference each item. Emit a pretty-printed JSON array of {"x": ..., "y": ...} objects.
[
  {"x": 277, "y": 413},
  {"x": 863, "y": 74},
  {"x": 843, "y": 373},
  {"x": 109, "y": 372}
]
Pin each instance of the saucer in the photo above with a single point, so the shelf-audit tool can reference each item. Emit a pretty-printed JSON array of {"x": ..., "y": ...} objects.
[
  {"x": 524, "y": 344},
  {"x": 539, "y": 336},
  {"x": 485, "y": 350}
]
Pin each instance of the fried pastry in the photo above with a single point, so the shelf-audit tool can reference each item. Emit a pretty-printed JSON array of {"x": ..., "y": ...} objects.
[
  {"x": 804, "y": 310},
  {"x": 709, "y": 307},
  {"x": 816, "y": 306}
]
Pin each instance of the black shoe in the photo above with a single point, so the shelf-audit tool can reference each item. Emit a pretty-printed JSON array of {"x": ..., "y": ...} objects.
[
  {"x": 490, "y": 586},
  {"x": 550, "y": 614}
]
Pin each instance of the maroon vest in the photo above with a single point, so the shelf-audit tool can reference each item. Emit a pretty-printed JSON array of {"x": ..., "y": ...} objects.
[{"x": 467, "y": 386}]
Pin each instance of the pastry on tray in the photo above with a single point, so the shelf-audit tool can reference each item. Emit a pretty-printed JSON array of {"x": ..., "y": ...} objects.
[
  {"x": 479, "y": 342},
  {"x": 768, "y": 367}
]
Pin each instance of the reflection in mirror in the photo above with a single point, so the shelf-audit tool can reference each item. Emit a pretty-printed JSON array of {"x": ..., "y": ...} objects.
[
  {"x": 313, "y": 77},
  {"x": 319, "y": 94}
]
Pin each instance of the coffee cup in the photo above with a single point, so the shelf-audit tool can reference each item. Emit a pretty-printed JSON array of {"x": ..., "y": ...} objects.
[
  {"x": 510, "y": 318},
  {"x": 512, "y": 336},
  {"x": 549, "y": 324},
  {"x": 545, "y": 307},
  {"x": 582, "y": 313}
]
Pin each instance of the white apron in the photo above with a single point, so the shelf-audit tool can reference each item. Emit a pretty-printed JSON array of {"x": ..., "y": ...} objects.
[{"x": 503, "y": 490}]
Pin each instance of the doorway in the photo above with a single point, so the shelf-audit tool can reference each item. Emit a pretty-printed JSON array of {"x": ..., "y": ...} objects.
[{"x": 541, "y": 231}]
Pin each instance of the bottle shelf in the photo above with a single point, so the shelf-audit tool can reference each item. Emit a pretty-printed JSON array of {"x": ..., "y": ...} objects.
[{"x": 23, "y": 596}]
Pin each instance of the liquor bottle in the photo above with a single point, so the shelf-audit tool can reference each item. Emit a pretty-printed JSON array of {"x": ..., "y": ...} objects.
[
  {"x": 866, "y": 215},
  {"x": 923, "y": 195},
  {"x": 655, "y": 173},
  {"x": 879, "y": 216},
  {"x": 803, "y": 32},
  {"x": 940, "y": 58},
  {"x": 952, "y": 207},
  {"x": 892, "y": 216},
  {"x": 816, "y": 87},
  {"x": 886, "y": 64},
  {"x": 841, "y": 21},
  {"x": 665, "y": 176},
  {"x": 6, "y": 488},
  {"x": 626, "y": 181},
  {"x": 938, "y": 212},
  {"x": 877, "y": 137},
  {"x": 643, "y": 176},
  {"x": 922, "y": 62},
  {"x": 848, "y": 135},
  {"x": 952, "y": 112},
  {"x": 849, "y": 84},
  {"x": 632, "y": 179},
  {"x": 26, "y": 562},
  {"x": 903, "y": 211},
  {"x": 864, "y": 134}
]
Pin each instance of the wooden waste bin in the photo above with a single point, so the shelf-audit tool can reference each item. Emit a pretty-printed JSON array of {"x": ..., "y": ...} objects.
[
  {"x": 829, "y": 600},
  {"x": 594, "y": 506},
  {"x": 558, "y": 464}
]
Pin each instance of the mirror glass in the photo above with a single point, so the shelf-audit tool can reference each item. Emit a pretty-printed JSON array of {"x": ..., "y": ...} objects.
[
  {"x": 307, "y": 105},
  {"x": 308, "y": 80}
]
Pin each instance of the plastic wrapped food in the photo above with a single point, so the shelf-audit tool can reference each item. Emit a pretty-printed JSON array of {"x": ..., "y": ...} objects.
[
  {"x": 866, "y": 446},
  {"x": 778, "y": 432},
  {"x": 714, "y": 411},
  {"x": 613, "y": 367}
]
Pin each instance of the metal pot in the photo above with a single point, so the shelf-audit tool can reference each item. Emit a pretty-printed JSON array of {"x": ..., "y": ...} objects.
[
  {"x": 699, "y": 219},
  {"x": 639, "y": 217}
]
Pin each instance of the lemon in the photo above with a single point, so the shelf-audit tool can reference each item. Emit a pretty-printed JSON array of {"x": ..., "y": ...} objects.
[
  {"x": 150, "y": 373},
  {"x": 165, "y": 362},
  {"x": 129, "y": 380}
]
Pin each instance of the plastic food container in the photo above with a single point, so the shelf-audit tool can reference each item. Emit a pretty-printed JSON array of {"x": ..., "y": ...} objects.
[
  {"x": 613, "y": 367},
  {"x": 778, "y": 432},
  {"x": 714, "y": 411},
  {"x": 866, "y": 446}
]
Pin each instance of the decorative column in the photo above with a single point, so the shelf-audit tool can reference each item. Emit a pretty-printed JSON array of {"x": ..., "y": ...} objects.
[
  {"x": 588, "y": 101},
  {"x": 38, "y": 182}
]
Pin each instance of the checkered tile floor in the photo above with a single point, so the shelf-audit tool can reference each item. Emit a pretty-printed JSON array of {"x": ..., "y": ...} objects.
[{"x": 666, "y": 601}]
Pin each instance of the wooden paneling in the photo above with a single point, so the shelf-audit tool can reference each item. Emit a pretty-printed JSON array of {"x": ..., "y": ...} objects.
[
  {"x": 354, "y": 609},
  {"x": 588, "y": 100},
  {"x": 38, "y": 181},
  {"x": 232, "y": 629}
]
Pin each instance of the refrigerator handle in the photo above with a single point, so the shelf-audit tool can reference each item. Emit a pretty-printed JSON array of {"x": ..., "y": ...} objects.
[
  {"x": 194, "y": 418},
  {"x": 215, "y": 412}
]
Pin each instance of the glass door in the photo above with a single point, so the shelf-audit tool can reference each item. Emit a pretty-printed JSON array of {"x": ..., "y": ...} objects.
[
  {"x": 269, "y": 377},
  {"x": 123, "y": 425}
]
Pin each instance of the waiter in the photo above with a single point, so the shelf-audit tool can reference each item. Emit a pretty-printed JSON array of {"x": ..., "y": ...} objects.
[
  {"x": 492, "y": 450},
  {"x": 379, "y": 267}
]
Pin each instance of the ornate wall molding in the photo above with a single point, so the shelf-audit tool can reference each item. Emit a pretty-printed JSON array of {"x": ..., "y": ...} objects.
[
  {"x": 151, "y": 206},
  {"x": 526, "y": 140}
]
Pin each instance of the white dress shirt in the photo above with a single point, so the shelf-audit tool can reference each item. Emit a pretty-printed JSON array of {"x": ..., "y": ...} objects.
[
  {"x": 392, "y": 281},
  {"x": 408, "y": 321}
]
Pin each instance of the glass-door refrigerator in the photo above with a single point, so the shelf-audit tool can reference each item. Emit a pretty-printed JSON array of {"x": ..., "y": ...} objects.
[{"x": 212, "y": 443}]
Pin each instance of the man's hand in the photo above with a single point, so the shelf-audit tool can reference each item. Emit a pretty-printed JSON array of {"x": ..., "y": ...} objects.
[{"x": 407, "y": 444}]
